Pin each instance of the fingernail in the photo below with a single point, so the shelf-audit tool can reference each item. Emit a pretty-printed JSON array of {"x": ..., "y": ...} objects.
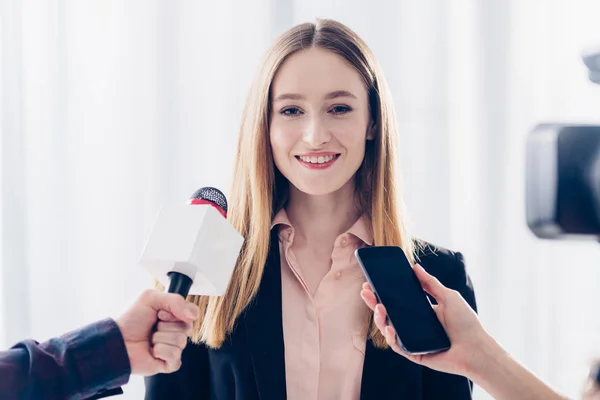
[{"x": 191, "y": 312}]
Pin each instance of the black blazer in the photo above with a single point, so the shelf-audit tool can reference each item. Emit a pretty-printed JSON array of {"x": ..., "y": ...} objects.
[{"x": 251, "y": 364}]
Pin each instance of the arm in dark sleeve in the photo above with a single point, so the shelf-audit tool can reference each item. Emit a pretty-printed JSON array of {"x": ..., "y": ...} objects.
[
  {"x": 90, "y": 362},
  {"x": 437, "y": 385},
  {"x": 191, "y": 381}
]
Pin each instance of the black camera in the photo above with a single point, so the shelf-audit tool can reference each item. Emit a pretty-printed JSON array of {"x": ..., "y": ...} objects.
[{"x": 563, "y": 175}]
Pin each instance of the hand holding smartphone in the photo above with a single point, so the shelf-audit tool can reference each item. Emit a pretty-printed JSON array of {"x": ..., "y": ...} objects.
[{"x": 409, "y": 311}]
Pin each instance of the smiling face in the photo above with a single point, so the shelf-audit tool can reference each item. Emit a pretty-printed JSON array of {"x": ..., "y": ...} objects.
[{"x": 320, "y": 121}]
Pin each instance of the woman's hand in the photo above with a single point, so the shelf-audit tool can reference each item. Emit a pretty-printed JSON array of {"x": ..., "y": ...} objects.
[
  {"x": 468, "y": 337},
  {"x": 473, "y": 353}
]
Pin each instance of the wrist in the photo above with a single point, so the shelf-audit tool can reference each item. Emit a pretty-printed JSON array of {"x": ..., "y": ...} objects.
[
  {"x": 499, "y": 374},
  {"x": 129, "y": 351},
  {"x": 129, "y": 346},
  {"x": 485, "y": 353}
]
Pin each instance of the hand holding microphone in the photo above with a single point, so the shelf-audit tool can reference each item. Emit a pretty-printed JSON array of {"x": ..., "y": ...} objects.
[
  {"x": 95, "y": 360},
  {"x": 191, "y": 250},
  {"x": 194, "y": 250},
  {"x": 160, "y": 352}
]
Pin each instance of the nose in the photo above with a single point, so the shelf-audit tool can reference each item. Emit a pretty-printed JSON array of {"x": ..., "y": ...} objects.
[{"x": 316, "y": 133}]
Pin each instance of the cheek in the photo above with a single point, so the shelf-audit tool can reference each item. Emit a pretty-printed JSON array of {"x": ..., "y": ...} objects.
[
  {"x": 281, "y": 143},
  {"x": 352, "y": 136},
  {"x": 352, "y": 129}
]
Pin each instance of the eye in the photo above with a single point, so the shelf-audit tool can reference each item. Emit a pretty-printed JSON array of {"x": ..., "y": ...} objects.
[
  {"x": 291, "y": 111},
  {"x": 339, "y": 110}
]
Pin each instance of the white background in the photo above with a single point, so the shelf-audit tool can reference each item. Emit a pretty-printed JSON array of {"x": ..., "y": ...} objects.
[{"x": 110, "y": 108}]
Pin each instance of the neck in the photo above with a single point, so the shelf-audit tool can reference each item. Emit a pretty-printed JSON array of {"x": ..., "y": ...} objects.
[{"x": 321, "y": 219}]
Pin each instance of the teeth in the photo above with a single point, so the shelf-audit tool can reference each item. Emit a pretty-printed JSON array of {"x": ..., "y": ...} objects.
[{"x": 317, "y": 160}]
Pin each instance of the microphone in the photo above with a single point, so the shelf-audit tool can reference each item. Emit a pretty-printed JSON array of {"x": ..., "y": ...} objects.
[
  {"x": 180, "y": 282},
  {"x": 193, "y": 250}
]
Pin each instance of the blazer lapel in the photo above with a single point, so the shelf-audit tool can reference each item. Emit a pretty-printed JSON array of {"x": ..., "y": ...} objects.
[
  {"x": 386, "y": 374},
  {"x": 264, "y": 328}
]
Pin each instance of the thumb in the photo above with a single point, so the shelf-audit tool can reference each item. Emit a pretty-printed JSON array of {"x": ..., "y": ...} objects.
[
  {"x": 175, "y": 304},
  {"x": 430, "y": 283}
]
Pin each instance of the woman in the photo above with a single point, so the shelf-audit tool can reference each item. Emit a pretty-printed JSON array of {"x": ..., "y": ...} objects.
[{"x": 315, "y": 178}]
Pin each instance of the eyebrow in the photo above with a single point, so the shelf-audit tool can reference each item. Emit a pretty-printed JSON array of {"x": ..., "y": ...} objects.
[{"x": 328, "y": 96}]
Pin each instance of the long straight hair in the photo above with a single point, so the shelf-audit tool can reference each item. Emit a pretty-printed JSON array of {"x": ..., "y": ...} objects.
[{"x": 258, "y": 189}]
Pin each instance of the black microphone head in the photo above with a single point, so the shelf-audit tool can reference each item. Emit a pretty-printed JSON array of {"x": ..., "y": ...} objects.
[{"x": 211, "y": 195}]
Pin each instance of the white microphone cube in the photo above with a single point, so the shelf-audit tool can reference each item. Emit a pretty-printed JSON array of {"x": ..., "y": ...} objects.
[{"x": 194, "y": 240}]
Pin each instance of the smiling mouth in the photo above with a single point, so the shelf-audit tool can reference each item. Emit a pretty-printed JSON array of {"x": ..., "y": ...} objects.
[{"x": 318, "y": 159}]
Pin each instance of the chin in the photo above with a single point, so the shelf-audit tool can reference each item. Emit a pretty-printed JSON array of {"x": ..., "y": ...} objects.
[{"x": 318, "y": 189}]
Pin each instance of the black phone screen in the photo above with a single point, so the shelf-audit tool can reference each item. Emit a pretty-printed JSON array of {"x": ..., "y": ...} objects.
[{"x": 396, "y": 286}]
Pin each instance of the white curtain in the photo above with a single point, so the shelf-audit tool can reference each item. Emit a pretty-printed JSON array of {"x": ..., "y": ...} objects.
[{"x": 111, "y": 108}]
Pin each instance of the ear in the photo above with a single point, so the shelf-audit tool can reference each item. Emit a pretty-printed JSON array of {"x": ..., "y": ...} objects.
[{"x": 371, "y": 130}]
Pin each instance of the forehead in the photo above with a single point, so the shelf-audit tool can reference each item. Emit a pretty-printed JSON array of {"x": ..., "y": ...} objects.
[{"x": 315, "y": 72}]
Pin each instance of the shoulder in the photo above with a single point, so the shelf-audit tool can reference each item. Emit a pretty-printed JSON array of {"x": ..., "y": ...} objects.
[
  {"x": 437, "y": 257},
  {"x": 447, "y": 266}
]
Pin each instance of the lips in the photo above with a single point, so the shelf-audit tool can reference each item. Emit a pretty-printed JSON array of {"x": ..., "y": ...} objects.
[{"x": 317, "y": 159}]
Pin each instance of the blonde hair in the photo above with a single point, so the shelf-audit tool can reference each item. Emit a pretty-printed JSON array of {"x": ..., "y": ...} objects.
[{"x": 258, "y": 190}]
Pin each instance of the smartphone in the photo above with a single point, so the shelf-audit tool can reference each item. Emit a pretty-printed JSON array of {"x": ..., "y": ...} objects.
[{"x": 409, "y": 310}]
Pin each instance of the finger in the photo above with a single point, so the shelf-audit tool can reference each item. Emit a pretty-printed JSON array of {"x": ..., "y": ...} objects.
[
  {"x": 171, "y": 355},
  {"x": 430, "y": 283},
  {"x": 171, "y": 302},
  {"x": 176, "y": 339},
  {"x": 438, "y": 311},
  {"x": 392, "y": 341},
  {"x": 380, "y": 318},
  {"x": 167, "y": 316},
  {"x": 390, "y": 337},
  {"x": 366, "y": 286},
  {"x": 369, "y": 298},
  {"x": 178, "y": 327}
]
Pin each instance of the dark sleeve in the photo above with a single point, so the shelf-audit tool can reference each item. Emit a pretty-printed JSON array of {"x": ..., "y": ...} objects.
[
  {"x": 90, "y": 362},
  {"x": 191, "y": 381},
  {"x": 438, "y": 385}
]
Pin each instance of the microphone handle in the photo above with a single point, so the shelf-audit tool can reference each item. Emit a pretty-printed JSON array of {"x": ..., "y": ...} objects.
[{"x": 179, "y": 283}]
